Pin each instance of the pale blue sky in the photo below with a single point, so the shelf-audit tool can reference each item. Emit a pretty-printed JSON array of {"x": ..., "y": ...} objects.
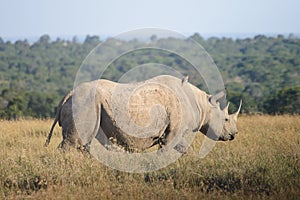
[{"x": 29, "y": 18}]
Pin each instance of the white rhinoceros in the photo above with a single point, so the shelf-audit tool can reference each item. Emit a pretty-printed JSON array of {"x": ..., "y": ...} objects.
[{"x": 139, "y": 115}]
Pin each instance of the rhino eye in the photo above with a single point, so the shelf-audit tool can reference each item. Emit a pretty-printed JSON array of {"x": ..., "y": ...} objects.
[{"x": 226, "y": 119}]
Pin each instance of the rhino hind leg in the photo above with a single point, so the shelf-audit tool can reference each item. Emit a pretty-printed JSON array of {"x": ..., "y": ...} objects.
[
  {"x": 66, "y": 145},
  {"x": 70, "y": 139},
  {"x": 63, "y": 146}
]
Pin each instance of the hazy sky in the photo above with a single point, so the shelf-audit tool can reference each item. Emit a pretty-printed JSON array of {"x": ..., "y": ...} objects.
[{"x": 20, "y": 18}]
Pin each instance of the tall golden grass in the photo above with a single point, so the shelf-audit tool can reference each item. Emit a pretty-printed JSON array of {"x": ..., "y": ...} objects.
[{"x": 263, "y": 161}]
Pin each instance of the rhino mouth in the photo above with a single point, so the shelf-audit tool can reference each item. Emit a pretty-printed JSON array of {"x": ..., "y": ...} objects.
[{"x": 224, "y": 138}]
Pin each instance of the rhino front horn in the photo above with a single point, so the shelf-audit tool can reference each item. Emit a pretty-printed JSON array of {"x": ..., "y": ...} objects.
[{"x": 238, "y": 111}]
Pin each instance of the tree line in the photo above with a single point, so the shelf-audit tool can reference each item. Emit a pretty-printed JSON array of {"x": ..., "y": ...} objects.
[{"x": 263, "y": 71}]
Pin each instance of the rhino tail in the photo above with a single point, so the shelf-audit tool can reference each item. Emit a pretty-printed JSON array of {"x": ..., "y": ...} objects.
[{"x": 59, "y": 107}]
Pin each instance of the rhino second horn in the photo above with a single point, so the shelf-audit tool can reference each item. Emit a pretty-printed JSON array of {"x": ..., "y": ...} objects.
[{"x": 226, "y": 108}]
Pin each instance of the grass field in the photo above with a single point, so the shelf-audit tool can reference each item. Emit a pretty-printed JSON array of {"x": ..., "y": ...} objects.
[{"x": 262, "y": 162}]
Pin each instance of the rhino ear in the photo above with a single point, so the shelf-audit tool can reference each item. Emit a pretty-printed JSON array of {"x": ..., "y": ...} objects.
[
  {"x": 213, "y": 99},
  {"x": 235, "y": 115}
]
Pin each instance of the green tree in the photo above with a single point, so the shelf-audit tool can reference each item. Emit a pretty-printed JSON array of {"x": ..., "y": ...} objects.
[
  {"x": 16, "y": 107},
  {"x": 285, "y": 101},
  {"x": 40, "y": 105}
]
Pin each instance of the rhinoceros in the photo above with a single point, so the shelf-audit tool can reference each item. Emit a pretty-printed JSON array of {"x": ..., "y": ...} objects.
[{"x": 140, "y": 115}]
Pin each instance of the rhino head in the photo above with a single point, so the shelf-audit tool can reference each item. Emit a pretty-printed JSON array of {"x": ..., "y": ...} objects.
[
  {"x": 220, "y": 125},
  {"x": 230, "y": 125}
]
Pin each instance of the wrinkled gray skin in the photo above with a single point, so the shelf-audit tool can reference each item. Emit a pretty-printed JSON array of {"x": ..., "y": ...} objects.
[{"x": 202, "y": 112}]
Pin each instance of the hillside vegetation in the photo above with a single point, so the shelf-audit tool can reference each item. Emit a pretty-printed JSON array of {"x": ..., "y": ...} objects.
[
  {"x": 263, "y": 71},
  {"x": 262, "y": 162}
]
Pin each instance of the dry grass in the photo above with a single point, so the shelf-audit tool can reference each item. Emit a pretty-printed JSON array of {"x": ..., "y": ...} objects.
[{"x": 263, "y": 161}]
